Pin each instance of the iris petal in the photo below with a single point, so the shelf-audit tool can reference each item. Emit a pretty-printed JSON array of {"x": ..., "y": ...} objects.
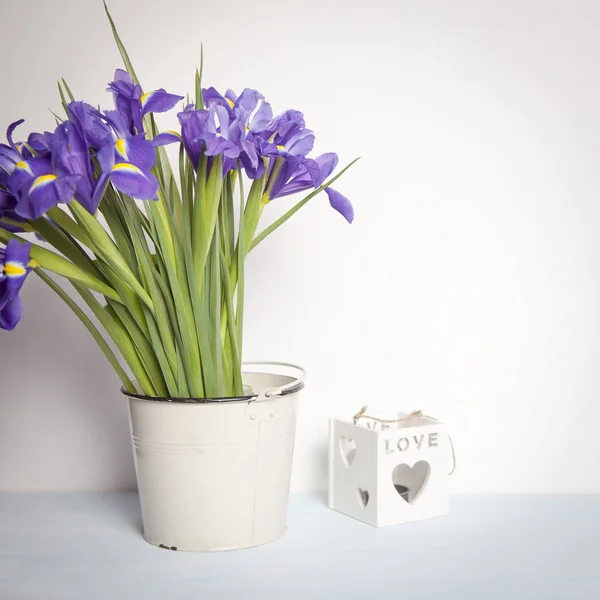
[
  {"x": 10, "y": 131},
  {"x": 167, "y": 137},
  {"x": 89, "y": 122},
  {"x": 137, "y": 151},
  {"x": 341, "y": 204},
  {"x": 11, "y": 314},
  {"x": 131, "y": 180},
  {"x": 159, "y": 101},
  {"x": 13, "y": 271}
]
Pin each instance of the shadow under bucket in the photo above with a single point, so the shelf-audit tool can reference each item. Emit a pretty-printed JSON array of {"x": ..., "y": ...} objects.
[{"x": 214, "y": 473}]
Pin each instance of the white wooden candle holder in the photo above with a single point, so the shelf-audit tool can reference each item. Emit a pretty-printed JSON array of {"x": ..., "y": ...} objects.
[{"x": 389, "y": 473}]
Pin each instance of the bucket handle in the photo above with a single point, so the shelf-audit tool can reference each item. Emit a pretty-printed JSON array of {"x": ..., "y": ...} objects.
[{"x": 283, "y": 390}]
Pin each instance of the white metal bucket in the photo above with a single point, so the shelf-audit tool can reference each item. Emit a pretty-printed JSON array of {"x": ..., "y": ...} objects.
[{"x": 214, "y": 474}]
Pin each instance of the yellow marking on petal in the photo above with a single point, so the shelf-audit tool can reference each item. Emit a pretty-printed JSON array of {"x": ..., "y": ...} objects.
[
  {"x": 23, "y": 166},
  {"x": 121, "y": 146},
  {"x": 127, "y": 167},
  {"x": 231, "y": 102},
  {"x": 41, "y": 180},
  {"x": 14, "y": 269},
  {"x": 174, "y": 133},
  {"x": 145, "y": 97},
  {"x": 281, "y": 148}
]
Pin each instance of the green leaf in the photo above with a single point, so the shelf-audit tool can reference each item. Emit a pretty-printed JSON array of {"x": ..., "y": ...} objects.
[
  {"x": 143, "y": 347},
  {"x": 111, "y": 323},
  {"x": 173, "y": 258},
  {"x": 121, "y": 47},
  {"x": 116, "y": 365},
  {"x": 24, "y": 226},
  {"x": 66, "y": 245},
  {"x": 200, "y": 78},
  {"x": 184, "y": 391},
  {"x": 69, "y": 93},
  {"x": 61, "y": 266},
  {"x": 159, "y": 325},
  {"x": 214, "y": 320},
  {"x": 206, "y": 209},
  {"x": 64, "y": 221},
  {"x": 63, "y": 99},
  {"x": 253, "y": 211},
  {"x": 113, "y": 210},
  {"x": 106, "y": 249},
  {"x": 200, "y": 307},
  {"x": 239, "y": 315},
  {"x": 235, "y": 354},
  {"x": 157, "y": 346}
]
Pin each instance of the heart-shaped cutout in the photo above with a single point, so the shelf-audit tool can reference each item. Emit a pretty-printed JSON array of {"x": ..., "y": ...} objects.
[
  {"x": 410, "y": 482},
  {"x": 347, "y": 450},
  {"x": 363, "y": 497}
]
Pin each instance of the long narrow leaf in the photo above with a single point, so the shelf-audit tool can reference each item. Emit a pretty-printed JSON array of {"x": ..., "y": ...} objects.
[
  {"x": 121, "y": 338},
  {"x": 61, "y": 266},
  {"x": 112, "y": 359},
  {"x": 261, "y": 236},
  {"x": 109, "y": 252},
  {"x": 121, "y": 47}
]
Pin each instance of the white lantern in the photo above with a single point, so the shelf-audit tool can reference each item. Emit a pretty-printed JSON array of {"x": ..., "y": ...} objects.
[{"x": 390, "y": 468}]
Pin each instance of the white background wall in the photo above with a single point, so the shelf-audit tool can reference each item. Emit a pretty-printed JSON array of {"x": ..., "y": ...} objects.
[{"x": 468, "y": 285}]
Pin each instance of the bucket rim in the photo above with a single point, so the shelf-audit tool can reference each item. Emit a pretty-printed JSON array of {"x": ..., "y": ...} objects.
[{"x": 285, "y": 390}]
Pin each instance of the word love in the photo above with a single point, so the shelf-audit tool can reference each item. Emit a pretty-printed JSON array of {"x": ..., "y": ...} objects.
[{"x": 417, "y": 441}]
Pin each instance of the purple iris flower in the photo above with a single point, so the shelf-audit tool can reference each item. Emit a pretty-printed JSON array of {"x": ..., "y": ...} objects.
[
  {"x": 9, "y": 155},
  {"x": 208, "y": 131},
  {"x": 249, "y": 116},
  {"x": 290, "y": 140},
  {"x": 127, "y": 163},
  {"x": 89, "y": 122},
  {"x": 14, "y": 268},
  {"x": 125, "y": 159},
  {"x": 286, "y": 136},
  {"x": 249, "y": 101},
  {"x": 211, "y": 97},
  {"x": 118, "y": 123},
  {"x": 298, "y": 175},
  {"x": 8, "y": 159},
  {"x": 253, "y": 116},
  {"x": 218, "y": 135},
  {"x": 10, "y": 131},
  {"x": 71, "y": 157},
  {"x": 40, "y": 143},
  {"x": 133, "y": 104},
  {"x": 32, "y": 186},
  {"x": 38, "y": 189},
  {"x": 283, "y": 127},
  {"x": 8, "y": 204}
]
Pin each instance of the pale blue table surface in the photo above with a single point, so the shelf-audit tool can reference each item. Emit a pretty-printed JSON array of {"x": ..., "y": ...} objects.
[{"x": 89, "y": 546}]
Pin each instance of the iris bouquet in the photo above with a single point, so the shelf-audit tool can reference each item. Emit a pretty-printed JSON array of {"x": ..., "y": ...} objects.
[{"x": 162, "y": 270}]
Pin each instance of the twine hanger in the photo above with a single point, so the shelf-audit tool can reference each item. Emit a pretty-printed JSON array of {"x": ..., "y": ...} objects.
[{"x": 413, "y": 415}]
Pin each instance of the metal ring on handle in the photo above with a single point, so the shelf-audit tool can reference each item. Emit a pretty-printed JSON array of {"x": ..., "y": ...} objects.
[{"x": 288, "y": 388}]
